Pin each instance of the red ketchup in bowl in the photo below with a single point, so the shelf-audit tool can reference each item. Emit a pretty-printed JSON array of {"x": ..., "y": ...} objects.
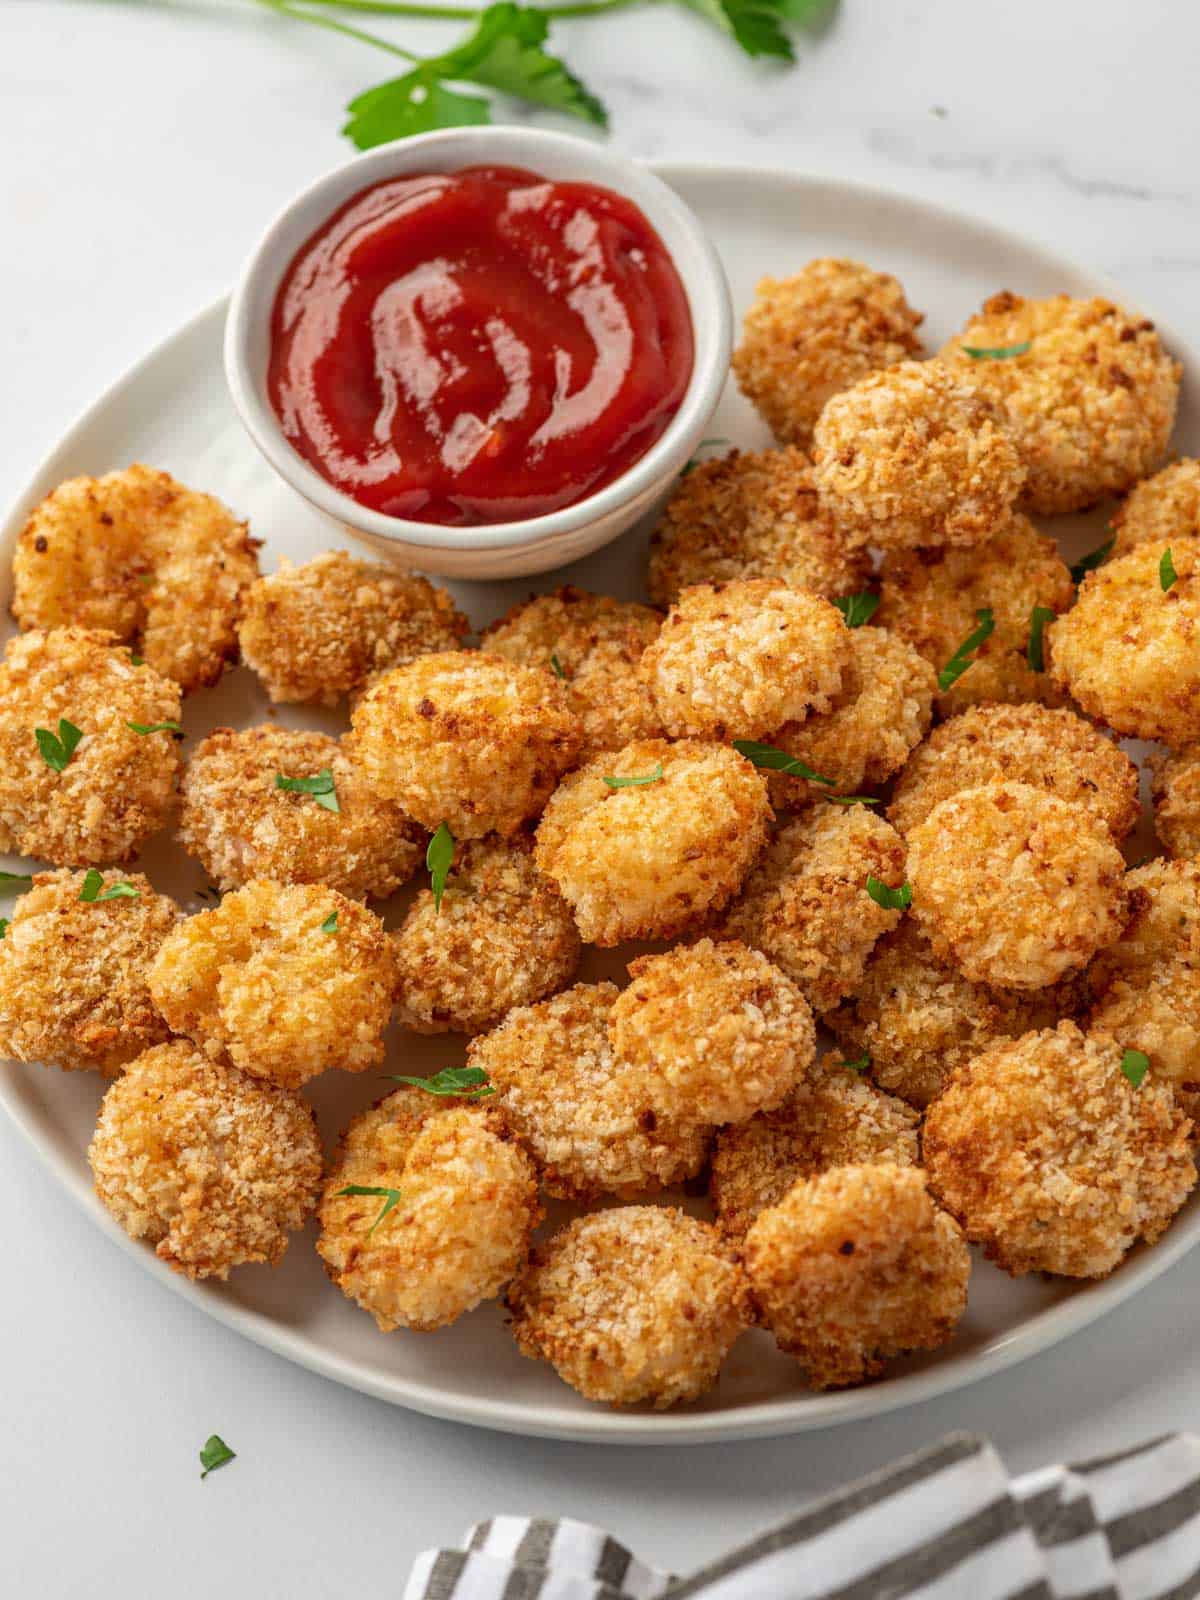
[{"x": 480, "y": 346}]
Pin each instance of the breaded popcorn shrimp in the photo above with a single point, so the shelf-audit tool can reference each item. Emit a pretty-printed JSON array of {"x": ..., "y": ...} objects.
[
  {"x": 811, "y": 335},
  {"x": 1091, "y": 401},
  {"x": 916, "y": 455},
  {"x": 719, "y": 1027},
  {"x": 654, "y": 837},
  {"x": 594, "y": 644},
  {"x": 73, "y": 972},
  {"x": 282, "y": 981},
  {"x": 468, "y": 739},
  {"x": 739, "y": 659},
  {"x": 1015, "y": 885},
  {"x": 637, "y": 1305},
  {"x": 321, "y": 631},
  {"x": 751, "y": 514},
  {"x": 502, "y": 937},
  {"x": 239, "y": 823},
  {"x": 97, "y": 801},
  {"x": 834, "y": 1118},
  {"x": 466, "y": 1204},
  {"x": 1052, "y": 1160},
  {"x": 806, "y": 903},
  {"x": 1161, "y": 508},
  {"x": 161, "y": 567},
  {"x": 212, "y": 1167},
  {"x": 593, "y": 1123},
  {"x": 1129, "y": 651},
  {"x": 1176, "y": 793},
  {"x": 855, "y": 1267}
]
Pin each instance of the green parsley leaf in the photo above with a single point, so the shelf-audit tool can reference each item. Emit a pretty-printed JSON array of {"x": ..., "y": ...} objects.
[
  {"x": 216, "y": 1453},
  {"x": 3, "y": 926},
  {"x": 1166, "y": 571},
  {"x": 155, "y": 727},
  {"x": 320, "y": 786},
  {"x": 93, "y": 884},
  {"x": 439, "y": 858},
  {"x": 859, "y": 1064},
  {"x": 636, "y": 781},
  {"x": 556, "y": 665},
  {"x": 890, "y": 899},
  {"x": 1135, "y": 1066},
  {"x": 136, "y": 660},
  {"x": 468, "y": 1083},
  {"x": 963, "y": 656},
  {"x": 853, "y": 799},
  {"x": 774, "y": 760},
  {"x": 858, "y": 608},
  {"x": 390, "y": 1198},
  {"x": 58, "y": 750},
  {"x": 1035, "y": 651},
  {"x": 330, "y": 923},
  {"x": 996, "y": 352},
  {"x": 755, "y": 25},
  {"x": 15, "y": 877},
  {"x": 1094, "y": 558}
]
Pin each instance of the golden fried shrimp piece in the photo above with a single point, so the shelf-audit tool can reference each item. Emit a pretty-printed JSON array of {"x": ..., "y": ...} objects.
[
  {"x": 1164, "y": 926},
  {"x": 716, "y": 1028},
  {"x": 916, "y": 455},
  {"x": 503, "y": 937},
  {"x": 1129, "y": 651},
  {"x": 1052, "y": 1160},
  {"x": 751, "y": 514},
  {"x": 118, "y": 787},
  {"x": 932, "y": 598},
  {"x": 468, "y": 739},
  {"x": 212, "y": 1167},
  {"x": 643, "y": 860},
  {"x": 811, "y": 335},
  {"x": 282, "y": 981},
  {"x": 918, "y": 1019},
  {"x": 161, "y": 567},
  {"x": 1160, "y": 509},
  {"x": 834, "y": 1118},
  {"x": 1176, "y": 793},
  {"x": 640, "y": 1304},
  {"x": 594, "y": 644},
  {"x": 73, "y": 973},
  {"x": 241, "y": 825},
  {"x": 594, "y": 1123},
  {"x": 466, "y": 1206},
  {"x": 737, "y": 660},
  {"x": 855, "y": 1267},
  {"x": 806, "y": 903},
  {"x": 321, "y": 631},
  {"x": 1057, "y": 751},
  {"x": 882, "y": 714},
  {"x": 1015, "y": 885},
  {"x": 1091, "y": 402}
]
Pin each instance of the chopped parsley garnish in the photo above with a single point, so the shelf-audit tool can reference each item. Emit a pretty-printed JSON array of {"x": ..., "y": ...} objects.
[
  {"x": 390, "y": 1198},
  {"x": 57, "y": 749},
  {"x": 890, "y": 899},
  {"x": 320, "y": 786},
  {"x": 155, "y": 727},
  {"x": 216, "y": 1453},
  {"x": 996, "y": 352},
  {"x": 136, "y": 660},
  {"x": 15, "y": 877},
  {"x": 964, "y": 657},
  {"x": 1166, "y": 571},
  {"x": 556, "y": 665},
  {"x": 1094, "y": 558},
  {"x": 93, "y": 888},
  {"x": 1035, "y": 652},
  {"x": 439, "y": 858},
  {"x": 637, "y": 780},
  {"x": 776, "y": 760},
  {"x": 1135, "y": 1066},
  {"x": 853, "y": 799},
  {"x": 859, "y": 1064},
  {"x": 705, "y": 444},
  {"x": 858, "y": 608},
  {"x": 468, "y": 1083},
  {"x": 330, "y": 923},
  {"x": 3, "y": 926}
]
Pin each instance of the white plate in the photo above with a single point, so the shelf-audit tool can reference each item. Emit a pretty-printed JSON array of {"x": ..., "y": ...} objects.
[{"x": 172, "y": 411}]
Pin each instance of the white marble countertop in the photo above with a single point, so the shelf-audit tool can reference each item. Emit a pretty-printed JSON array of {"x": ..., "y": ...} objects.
[{"x": 141, "y": 147}]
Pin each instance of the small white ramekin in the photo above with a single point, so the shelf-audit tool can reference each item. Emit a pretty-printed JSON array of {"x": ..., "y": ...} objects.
[{"x": 504, "y": 549}]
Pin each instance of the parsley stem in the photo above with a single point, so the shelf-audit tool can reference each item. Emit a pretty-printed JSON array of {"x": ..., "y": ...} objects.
[
  {"x": 403, "y": 8},
  {"x": 286, "y": 9}
]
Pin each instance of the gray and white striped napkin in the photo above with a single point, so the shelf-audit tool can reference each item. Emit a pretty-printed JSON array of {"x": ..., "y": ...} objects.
[{"x": 942, "y": 1524}]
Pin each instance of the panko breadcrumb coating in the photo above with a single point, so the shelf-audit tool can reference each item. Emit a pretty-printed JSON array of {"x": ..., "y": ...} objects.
[
  {"x": 73, "y": 973},
  {"x": 593, "y": 1123},
  {"x": 259, "y": 981},
  {"x": 1015, "y": 885},
  {"x": 751, "y": 514},
  {"x": 1176, "y": 793},
  {"x": 737, "y": 660},
  {"x": 855, "y": 1267},
  {"x": 1052, "y": 1160},
  {"x": 806, "y": 903},
  {"x": 161, "y": 567},
  {"x": 916, "y": 455},
  {"x": 1160, "y": 509},
  {"x": 834, "y": 1118},
  {"x": 811, "y": 335},
  {"x": 468, "y": 1204},
  {"x": 594, "y": 644},
  {"x": 1053, "y": 750},
  {"x": 717, "y": 1026},
  {"x": 640, "y": 1304},
  {"x": 1091, "y": 402},
  {"x": 1129, "y": 652},
  {"x": 503, "y": 937},
  {"x": 118, "y": 787},
  {"x": 644, "y": 860},
  {"x": 932, "y": 598},
  {"x": 1164, "y": 926},
  {"x": 468, "y": 739},
  {"x": 241, "y": 825},
  {"x": 321, "y": 631},
  {"x": 212, "y": 1167}
]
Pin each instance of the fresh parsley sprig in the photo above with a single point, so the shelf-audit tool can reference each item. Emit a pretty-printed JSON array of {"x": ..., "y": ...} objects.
[
  {"x": 466, "y": 1083},
  {"x": 890, "y": 899},
  {"x": 321, "y": 786},
  {"x": 93, "y": 888},
  {"x": 964, "y": 656},
  {"x": 858, "y": 608},
  {"x": 216, "y": 1453},
  {"x": 57, "y": 749},
  {"x": 439, "y": 858},
  {"x": 390, "y": 1197},
  {"x": 637, "y": 780},
  {"x": 772, "y": 759},
  {"x": 1135, "y": 1066},
  {"x": 1035, "y": 651}
]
